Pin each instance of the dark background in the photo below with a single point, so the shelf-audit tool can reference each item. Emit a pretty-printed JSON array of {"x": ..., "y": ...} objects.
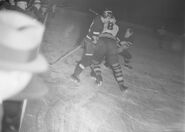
[{"x": 150, "y": 13}]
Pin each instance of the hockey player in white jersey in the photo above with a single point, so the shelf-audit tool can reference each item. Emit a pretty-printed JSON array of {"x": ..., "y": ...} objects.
[{"x": 107, "y": 48}]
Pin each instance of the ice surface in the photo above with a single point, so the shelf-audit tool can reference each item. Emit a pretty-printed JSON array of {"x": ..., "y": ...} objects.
[{"x": 154, "y": 101}]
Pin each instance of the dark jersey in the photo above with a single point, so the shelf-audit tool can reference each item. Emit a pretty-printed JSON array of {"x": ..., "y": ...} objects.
[{"x": 96, "y": 27}]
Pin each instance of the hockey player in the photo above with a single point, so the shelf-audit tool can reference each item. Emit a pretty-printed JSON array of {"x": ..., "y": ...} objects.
[
  {"x": 90, "y": 43},
  {"x": 107, "y": 48},
  {"x": 12, "y": 2},
  {"x": 128, "y": 40}
]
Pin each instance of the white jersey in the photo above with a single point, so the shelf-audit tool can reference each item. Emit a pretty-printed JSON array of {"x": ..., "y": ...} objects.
[{"x": 110, "y": 27}]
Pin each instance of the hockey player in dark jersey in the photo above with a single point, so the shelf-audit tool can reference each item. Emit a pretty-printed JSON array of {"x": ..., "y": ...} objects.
[
  {"x": 90, "y": 43},
  {"x": 107, "y": 48},
  {"x": 128, "y": 41}
]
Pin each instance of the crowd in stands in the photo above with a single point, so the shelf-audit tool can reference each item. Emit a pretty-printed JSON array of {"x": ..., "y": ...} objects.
[{"x": 37, "y": 9}]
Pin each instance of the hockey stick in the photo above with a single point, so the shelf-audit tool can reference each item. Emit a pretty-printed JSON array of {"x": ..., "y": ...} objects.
[
  {"x": 46, "y": 18},
  {"x": 94, "y": 12},
  {"x": 25, "y": 101},
  {"x": 73, "y": 50},
  {"x": 63, "y": 56}
]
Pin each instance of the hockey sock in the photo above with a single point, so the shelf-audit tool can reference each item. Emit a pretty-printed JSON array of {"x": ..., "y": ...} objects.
[
  {"x": 117, "y": 71},
  {"x": 93, "y": 74},
  {"x": 79, "y": 68},
  {"x": 97, "y": 71}
]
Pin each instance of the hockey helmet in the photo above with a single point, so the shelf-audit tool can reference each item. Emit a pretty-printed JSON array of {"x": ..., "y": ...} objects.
[{"x": 107, "y": 13}]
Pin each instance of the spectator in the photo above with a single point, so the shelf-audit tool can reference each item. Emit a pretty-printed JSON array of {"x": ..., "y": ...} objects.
[
  {"x": 21, "y": 6},
  {"x": 3, "y": 4},
  {"x": 36, "y": 9},
  {"x": 44, "y": 8},
  {"x": 19, "y": 60}
]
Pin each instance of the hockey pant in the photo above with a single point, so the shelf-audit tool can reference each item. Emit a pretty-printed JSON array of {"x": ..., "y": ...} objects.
[{"x": 106, "y": 48}]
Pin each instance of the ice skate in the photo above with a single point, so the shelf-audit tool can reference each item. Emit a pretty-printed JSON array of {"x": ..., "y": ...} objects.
[
  {"x": 99, "y": 80},
  {"x": 123, "y": 88},
  {"x": 75, "y": 79},
  {"x": 128, "y": 66}
]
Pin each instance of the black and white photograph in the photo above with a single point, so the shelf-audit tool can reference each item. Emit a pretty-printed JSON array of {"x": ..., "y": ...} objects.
[{"x": 92, "y": 65}]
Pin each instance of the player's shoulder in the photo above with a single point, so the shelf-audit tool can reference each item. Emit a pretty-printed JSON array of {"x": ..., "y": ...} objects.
[{"x": 97, "y": 19}]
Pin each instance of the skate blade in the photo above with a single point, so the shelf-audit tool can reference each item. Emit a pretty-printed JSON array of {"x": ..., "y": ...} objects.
[
  {"x": 74, "y": 80},
  {"x": 99, "y": 83}
]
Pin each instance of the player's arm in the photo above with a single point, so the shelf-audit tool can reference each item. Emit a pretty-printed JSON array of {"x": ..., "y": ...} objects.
[{"x": 95, "y": 29}]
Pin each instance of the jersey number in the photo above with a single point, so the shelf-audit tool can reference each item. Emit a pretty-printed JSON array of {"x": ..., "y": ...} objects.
[{"x": 110, "y": 26}]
